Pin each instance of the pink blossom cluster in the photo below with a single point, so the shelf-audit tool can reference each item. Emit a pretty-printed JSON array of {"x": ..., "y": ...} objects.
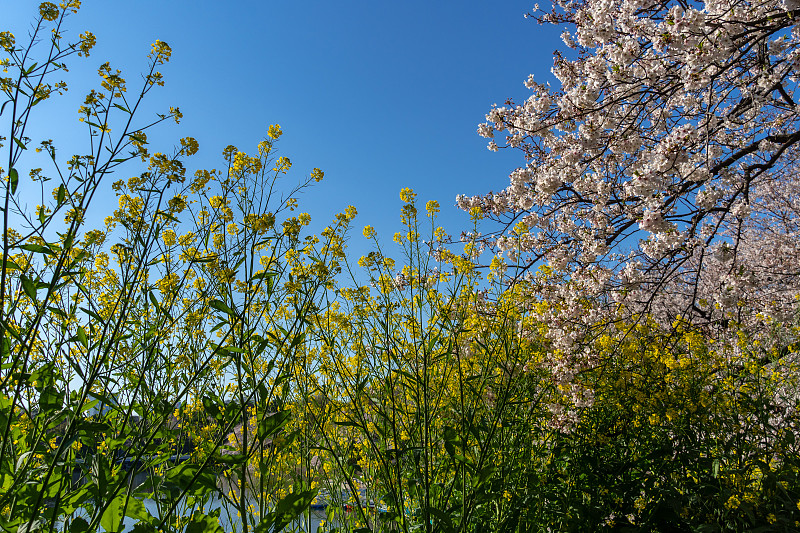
[{"x": 661, "y": 176}]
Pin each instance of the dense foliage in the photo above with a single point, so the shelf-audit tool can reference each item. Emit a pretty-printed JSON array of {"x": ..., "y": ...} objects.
[{"x": 201, "y": 362}]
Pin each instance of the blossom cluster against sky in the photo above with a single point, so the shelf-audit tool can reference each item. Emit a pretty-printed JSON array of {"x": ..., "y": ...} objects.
[{"x": 379, "y": 96}]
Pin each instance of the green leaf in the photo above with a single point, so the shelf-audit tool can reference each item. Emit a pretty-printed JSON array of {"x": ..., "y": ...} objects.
[
  {"x": 231, "y": 458},
  {"x": 19, "y": 143},
  {"x": 154, "y": 301},
  {"x": 192, "y": 479},
  {"x": 75, "y": 366},
  {"x": 62, "y": 194},
  {"x": 78, "y": 525},
  {"x": 450, "y": 441},
  {"x": 281, "y": 378},
  {"x": 56, "y": 311},
  {"x": 112, "y": 515},
  {"x": 86, "y": 406},
  {"x": 269, "y": 425},
  {"x": 433, "y": 342},
  {"x": 37, "y": 248},
  {"x": 81, "y": 336},
  {"x": 90, "y": 428},
  {"x": 13, "y": 176},
  {"x": 104, "y": 399},
  {"x": 43, "y": 376},
  {"x": 136, "y": 510},
  {"x": 263, "y": 527},
  {"x": 297, "y": 340},
  {"x": 286, "y": 511},
  {"x": 484, "y": 475},
  {"x": 50, "y": 400},
  {"x": 202, "y": 523},
  {"x": 221, "y": 306},
  {"x": 74, "y": 499},
  {"x": 219, "y": 325},
  {"x": 265, "y": 274},
  {"x": 28, "y": 286},
  {"x": 465, "y": 461},
  {"x": 210, "y": 406},
  {"x": 93, "y": 315},
  {"x": 261, "y": 347},
  {"x": 21, "y": 460}
]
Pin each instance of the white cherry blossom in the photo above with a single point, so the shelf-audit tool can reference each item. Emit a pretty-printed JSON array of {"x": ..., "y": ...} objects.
[{"x": 666, "y": 159}]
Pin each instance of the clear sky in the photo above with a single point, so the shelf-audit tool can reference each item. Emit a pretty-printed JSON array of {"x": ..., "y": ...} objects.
[{"x": 378, "y": 95}]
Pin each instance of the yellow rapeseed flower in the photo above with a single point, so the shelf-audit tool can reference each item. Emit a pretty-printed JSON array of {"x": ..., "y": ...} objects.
[
  {"x": 168, "y": 236},
  {"x": 161, "y": 52},
  {"x": 190, "y": 145},
  {"x": 7, "y": 40},
  {"x": 88, "y": 40},
  {"x": 407, "y": 195},
  {"x": 48, "y": 11}
]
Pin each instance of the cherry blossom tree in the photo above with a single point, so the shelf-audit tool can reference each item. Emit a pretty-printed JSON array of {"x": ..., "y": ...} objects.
[{"x": 661, "y": 176}]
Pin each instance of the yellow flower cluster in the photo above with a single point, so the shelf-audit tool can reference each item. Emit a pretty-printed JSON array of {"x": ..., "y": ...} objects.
[
  {"x": 7, "y": 41},
  {"x": 190, "y": 145},
  {"x": 242, "y": 164},
  {"x": 87, "y": 42},
  {"x": 168, "y": 236},
  {"x": 112, "y": 81},
  {"x": 407, "y": 195},
  {"x": 170, "y": 167},
  {"x": 48, "y": 11},
  {"x": 161, "y": 52},
  {"x": 177, "y": 203},
  {"x": 168, "y": 284},
  {"x": 282, "y": 165}
]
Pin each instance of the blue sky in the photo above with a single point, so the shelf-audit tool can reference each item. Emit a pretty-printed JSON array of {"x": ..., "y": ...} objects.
[{"x": 378, "y": 95}]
